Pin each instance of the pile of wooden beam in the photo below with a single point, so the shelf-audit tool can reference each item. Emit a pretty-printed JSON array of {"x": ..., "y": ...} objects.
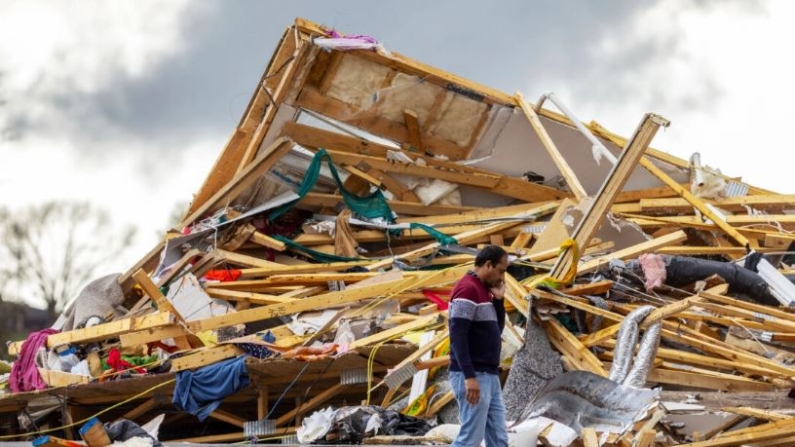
[{"x": 460, "y": 166}]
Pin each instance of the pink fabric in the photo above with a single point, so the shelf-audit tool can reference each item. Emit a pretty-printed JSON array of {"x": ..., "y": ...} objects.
[
  {"x": 335, "y": 35},
  {"x": 653, "y": 269},
  {"x": 24, "y": 373}
]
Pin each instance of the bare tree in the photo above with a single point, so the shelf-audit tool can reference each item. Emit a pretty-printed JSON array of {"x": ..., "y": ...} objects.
[{"x": 48, "y": 251}]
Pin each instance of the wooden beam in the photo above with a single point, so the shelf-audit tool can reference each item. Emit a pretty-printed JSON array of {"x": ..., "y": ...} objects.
[
  {"x": 395, "y": 331},
  {"x": 563, "y": 166},
  {"x": 314, "y": 303},
  {"x": 467, "y": 237},
  {"x": 205, "y": 356},
  {"x": 394, "y": 186},
  {"x": 413, "y": 67},
  {"x": 223, "y": 169},
  {"x": 312, "y": 403},
  {"x": 164, "y": 305},
  {"x": 764, "y": 432},
  {"x": 413, "y": 208},
  {"x": 518, "y": 188},
  {"x": 101, "y": 332},
  {"x": 614, "y": 183},
  {"x": 148, "y": 263},
  {"x": 461, "y": 176},
  {"x": 246, "y": 260},
  {"x": 633, "y": 251},
  {"x": 413, "y": 126},
  {"x": 277, "y": 97},
  {"x": 138, "y": 338},
  {"x": 656, "y": 315},
  {"x": 243, "y": 180},
  {"x": 753, "y": 307},
  {"x": 683, "y": 334},
  {"x": 145, "y": 407},
  {"x": 757, "y": 413},
  {"x": 250, "y": 297},
  {"x": 267, "y": 241},
  {"x": 229, "y": 418},
  {"x": 770, "y": 203},
  {"x": 570, "y": 346}
]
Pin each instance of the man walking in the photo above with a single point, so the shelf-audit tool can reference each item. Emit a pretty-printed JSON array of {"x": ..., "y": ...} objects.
[{"x": 477, "y": 317}]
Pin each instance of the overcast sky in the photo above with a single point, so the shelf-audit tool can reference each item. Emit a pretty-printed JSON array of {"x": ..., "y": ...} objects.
[{"x": 127, "y": 104}]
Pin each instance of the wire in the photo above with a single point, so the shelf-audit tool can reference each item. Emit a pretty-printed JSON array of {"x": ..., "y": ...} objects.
[
  {"x": 99, "y": 413},
  {"x": 273, "y": 408},
  {"x": 371, "y": 357}
]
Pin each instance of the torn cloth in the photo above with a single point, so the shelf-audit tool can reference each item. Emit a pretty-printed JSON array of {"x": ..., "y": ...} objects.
[
  {"x": 200, "y": 392},
  {"x": 25, "y": 372}
]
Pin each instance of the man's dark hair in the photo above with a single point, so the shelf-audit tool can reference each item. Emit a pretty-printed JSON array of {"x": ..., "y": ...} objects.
[{"x": 493, "y": 253}]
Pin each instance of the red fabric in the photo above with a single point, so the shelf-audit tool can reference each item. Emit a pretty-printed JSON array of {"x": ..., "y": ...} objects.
[
  {"x": 436, "y": 299},
  {"x": 24, "y": 372},
  {"x": 119, "y": 364},
  {"x": 224, "y": 275}
]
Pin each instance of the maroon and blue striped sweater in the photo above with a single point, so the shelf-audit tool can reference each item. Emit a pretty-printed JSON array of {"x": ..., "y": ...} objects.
[{"x": 476, "y": 323}]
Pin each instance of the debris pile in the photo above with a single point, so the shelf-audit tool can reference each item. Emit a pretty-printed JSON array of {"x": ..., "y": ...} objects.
[{"x": 313, "y": 269}]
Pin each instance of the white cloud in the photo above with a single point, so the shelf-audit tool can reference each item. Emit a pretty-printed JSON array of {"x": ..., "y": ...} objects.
[
  {"x": 59, "y": 51},
  {"x": 721, "y": 75},
  {"x": 56, "y": 50}
]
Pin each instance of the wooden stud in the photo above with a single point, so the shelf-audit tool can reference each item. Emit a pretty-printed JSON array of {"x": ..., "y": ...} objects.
[
  {"x": 312, "y": 403},
  {"x": 615, "y": 182},
  {"x": 164, "y": 305},
  {"x": 563, "y": 166},
  {"x": 414, "y": 132},
  {"x": 205, "y": 356},
  {"x": 229, "y": 418},
  {"x": 589, "y": 438},
  {"x": 101, "y": 332}
]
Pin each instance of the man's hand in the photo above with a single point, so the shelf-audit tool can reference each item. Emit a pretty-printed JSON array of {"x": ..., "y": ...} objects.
[
  {"x": 498, "y": 291},
  {"x": 473, "y": 390}
]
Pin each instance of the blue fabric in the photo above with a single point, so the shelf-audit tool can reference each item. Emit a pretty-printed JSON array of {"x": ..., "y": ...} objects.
[
  {"x": 486, "y": 419},
  {"x": 200, "y": 392}
]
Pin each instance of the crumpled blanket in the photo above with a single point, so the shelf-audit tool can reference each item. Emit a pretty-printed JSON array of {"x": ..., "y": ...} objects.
[{"x": 200, "y": 392}]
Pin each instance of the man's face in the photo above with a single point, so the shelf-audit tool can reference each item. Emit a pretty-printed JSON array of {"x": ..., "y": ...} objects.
[{"x": 494, "y": 274}]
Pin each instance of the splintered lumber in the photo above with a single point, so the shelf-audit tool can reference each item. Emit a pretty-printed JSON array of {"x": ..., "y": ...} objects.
[
  {"x": 395, "y": 331},
  {"x": 311, "y": 404},
  {"x": 588, "y": 435},
  {"x": 261, "y": 272},
  {"x": 765, "y": 415},
  {"x": 575, "y": 351},
  {"x": 467, "y": 237},
  {"x": 560, "y": 162},
  {"x": 165, "y": 305},
  {"x": 683, "y": 334},
  {"x": 102, "y": 331},
  {"x": 633, "y": 251},
  {"x": 412, "y": 208},
  {"x": 324, "y": 301},
  {"x": 656, "y": 315},
  {"x": 205, "y": 356},
  {"x": 616, "y": 180},
  {"x": 765, "y": 432},
  {"x": 242, "y": 180}
]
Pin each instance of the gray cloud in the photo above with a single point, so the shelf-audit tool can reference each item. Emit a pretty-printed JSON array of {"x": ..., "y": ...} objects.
[{"x": 200, "y": 92}]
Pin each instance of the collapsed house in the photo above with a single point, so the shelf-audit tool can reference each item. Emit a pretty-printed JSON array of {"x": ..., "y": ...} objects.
[{"x": 313, "y": 267}]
